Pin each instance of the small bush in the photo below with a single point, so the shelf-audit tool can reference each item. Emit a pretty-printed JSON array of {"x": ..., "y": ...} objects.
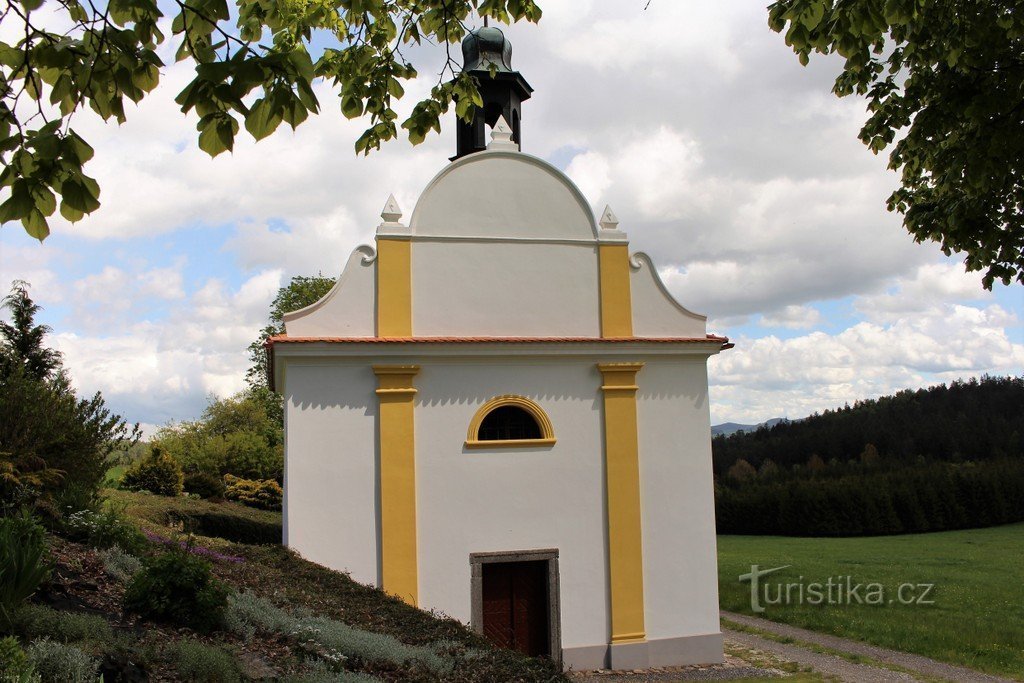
[
  {"x": 177, "y": 587},
  {"x": 15, "y": 666},
  {"x": 204, "y": 485},
  {"x": 120, "y": 565},
  {"x": 60, "y": 663},
  {"x": 320, "y": 672},
  {"x": 104, "y": 530},
  {"x": 227, "y": 526},
  {"x": 157, "y": 473},
  {"x": 198, "y": 662},
  {"x": 22, "y": 564},
  {"x": 39, "y": 621},
  {"x": 336, "y": 641},
  {"x": 265, "y": 494}
]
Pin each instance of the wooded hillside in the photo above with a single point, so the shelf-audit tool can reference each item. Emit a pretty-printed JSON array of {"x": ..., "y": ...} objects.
[{"x": 966, "y": 421}]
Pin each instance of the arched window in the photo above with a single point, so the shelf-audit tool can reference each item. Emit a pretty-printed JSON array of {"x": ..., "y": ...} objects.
[{"x": 510, "y": 421}]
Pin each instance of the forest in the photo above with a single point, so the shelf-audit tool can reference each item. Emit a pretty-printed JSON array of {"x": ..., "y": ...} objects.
[{"x": 946, "y": 457}]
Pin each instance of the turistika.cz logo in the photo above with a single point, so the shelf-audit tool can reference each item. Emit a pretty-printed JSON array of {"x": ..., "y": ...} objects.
[{"x": 836, "y": 590}]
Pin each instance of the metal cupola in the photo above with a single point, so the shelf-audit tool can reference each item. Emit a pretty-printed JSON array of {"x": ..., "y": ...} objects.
[{"x": 503, "y": 92}]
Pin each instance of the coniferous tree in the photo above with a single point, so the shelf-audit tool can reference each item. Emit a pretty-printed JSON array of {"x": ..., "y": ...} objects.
[{"x": 21, "y": 340}]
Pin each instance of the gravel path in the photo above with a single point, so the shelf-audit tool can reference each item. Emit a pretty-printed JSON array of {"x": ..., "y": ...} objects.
[
  {"x": 922, "y": 665},
  {"x": 733, "y": 668},
  {"x": 830, "y": 665}
]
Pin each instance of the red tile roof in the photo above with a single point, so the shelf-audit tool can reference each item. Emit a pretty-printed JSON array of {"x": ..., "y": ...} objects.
[{"x": 285, "y": 339}]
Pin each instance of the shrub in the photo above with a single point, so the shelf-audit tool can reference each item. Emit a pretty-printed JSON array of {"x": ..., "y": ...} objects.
[
  {"x": 104, "y": 530},
  {"x": 198, "y": 662},
  {"x": 60, "y": 663},
  {"x": 246, "y": 454},
  {"x": 227, "y": 526},
  {"x": 39, "y": 621},
  {"x": 266, "y": 494},
  {"x": 120, "y": 565},
  {"x": 204, "y": 484},
  {"x": 15, "y": 666},
  {"x": 320, "y": 672},
  {"x": 22, "y": 565},
  {"x": 336, "y": 641},
  {"x": 157, "y": 473},
  {"x": 177, "y": 587}
]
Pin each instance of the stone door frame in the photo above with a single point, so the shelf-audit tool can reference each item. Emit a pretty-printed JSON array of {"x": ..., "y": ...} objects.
[{"x": 548, "y": 555}]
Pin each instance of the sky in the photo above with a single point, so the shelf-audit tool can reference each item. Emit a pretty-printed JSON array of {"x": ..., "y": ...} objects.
[{"x": 734, "y": 167}]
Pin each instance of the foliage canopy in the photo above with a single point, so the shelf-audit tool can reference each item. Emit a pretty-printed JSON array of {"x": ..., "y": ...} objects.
[
  {"x": 254, "y": 66},
  {"x": 944, "y": 80}
]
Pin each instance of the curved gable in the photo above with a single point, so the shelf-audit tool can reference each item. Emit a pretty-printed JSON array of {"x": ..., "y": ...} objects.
[
  {"x": 348, "y": 310},
  {"x": 503, "y": 194},
  {"x": 656, "y": 313}
]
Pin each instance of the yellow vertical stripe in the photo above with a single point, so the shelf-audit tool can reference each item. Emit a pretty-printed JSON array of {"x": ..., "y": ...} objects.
[
  {"x": 616, "y": 302},
  {"x": 396, "y": 393},
  {"x": 622, "y": 469},
  {"x": 394, "y": 287}
]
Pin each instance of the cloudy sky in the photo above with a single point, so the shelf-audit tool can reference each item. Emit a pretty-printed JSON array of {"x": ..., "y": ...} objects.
[{"x": 729, "y": 163}]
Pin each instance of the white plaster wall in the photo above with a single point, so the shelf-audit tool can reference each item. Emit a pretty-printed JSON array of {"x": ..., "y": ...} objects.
[
  {"x": 678, "y": 507},
  {"x": 502, "y": 193},
  {"x": 348, "y": 310},
  {"x": 330, "y": 465},
  {"x": 655, "y": 312},
  {"x": 505, "y": 289},
  {"x": 510, "y": 499}
]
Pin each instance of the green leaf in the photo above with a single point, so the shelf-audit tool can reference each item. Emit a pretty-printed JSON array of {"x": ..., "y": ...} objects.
[
  {"x": 262, "y": 119},
  {"x": 71, "y": 214},
  {"x": 19, "y": 204},
  {"x": 77, "y": 197},
  {"x": 35, "y": 225}
]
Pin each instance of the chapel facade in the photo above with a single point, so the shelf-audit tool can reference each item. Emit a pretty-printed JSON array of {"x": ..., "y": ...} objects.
[{"x": 500, "y": 413}]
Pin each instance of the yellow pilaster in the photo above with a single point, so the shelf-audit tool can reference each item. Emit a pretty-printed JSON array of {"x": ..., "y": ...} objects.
[
  {"x": 616, "y": 302},
  {"x": 394, "y": 287},
  {"x": 622, "y": 469},
  {"x": 395, "y": 395}
]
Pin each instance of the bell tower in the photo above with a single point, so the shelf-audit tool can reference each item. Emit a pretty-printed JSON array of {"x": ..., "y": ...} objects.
[{"x": 503, "y": 93}]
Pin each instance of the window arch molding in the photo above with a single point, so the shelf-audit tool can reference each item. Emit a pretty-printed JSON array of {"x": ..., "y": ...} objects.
[{"x": 547, "y": 433}]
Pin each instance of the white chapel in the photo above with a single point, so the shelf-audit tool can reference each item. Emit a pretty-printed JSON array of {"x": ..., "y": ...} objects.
[{"x": 500, "y": 413}]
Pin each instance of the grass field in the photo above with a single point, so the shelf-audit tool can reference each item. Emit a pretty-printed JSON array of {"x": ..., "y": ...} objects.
[{"x": 977, "y": 615}]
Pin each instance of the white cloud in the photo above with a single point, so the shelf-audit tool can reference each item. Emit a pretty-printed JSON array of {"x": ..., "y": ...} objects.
[
  {"x": 769, "y": 377},
  {"x": 793, "y": 317}
]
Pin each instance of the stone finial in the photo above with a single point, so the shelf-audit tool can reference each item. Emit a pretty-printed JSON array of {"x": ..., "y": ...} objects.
[
  {"x": 609, "y": 221},
  {"x": 391, "y": 213},
  {"x": 501, "y": 136}
]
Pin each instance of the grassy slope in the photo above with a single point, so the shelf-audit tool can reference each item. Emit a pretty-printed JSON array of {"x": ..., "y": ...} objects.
[
  {"x": 275, "y": 573},
  {"x": 977, "y": 619}
]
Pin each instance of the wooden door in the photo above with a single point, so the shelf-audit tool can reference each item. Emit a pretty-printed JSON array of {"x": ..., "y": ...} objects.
[{"x": 515, "y": 606}]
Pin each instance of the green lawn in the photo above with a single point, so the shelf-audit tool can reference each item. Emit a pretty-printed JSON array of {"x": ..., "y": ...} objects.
[{"x": 977, "y": 619}]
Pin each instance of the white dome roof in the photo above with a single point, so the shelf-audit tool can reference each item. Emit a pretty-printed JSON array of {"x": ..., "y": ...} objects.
[{"x": 500, "y": 193}]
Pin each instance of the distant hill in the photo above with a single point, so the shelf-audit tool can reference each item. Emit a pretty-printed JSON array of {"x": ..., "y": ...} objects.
[
  {"x": 966, "y": 421},
  {"x": 727, "y": 428}
]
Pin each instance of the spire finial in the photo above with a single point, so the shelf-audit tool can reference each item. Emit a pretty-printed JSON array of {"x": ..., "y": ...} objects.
[
  {"x": 609, "y": 221},
  {"x": 501, "y": 135},
  {"x": 391, "y": 213}
]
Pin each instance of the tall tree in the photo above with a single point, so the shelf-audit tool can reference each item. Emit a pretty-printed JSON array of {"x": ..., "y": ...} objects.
[
  {"x": 50, "y": 439},
  {"x": 21, "y": 340},
  {"x": 253, "y": 67},
  {"x": 944, "y": 80},
  {"x": 299, "y": 293}
]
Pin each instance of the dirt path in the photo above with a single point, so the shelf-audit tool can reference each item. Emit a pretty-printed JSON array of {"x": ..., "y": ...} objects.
[{"x": 845, "y": 669}]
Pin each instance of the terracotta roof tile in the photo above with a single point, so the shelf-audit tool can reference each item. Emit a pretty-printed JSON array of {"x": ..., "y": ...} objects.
[{"x": 283, "y": 339}]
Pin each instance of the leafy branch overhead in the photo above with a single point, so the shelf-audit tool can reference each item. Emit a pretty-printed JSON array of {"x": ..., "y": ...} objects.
[
  {"x": 944, "y": 81},
  {"x": 253, "y": 67}
]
